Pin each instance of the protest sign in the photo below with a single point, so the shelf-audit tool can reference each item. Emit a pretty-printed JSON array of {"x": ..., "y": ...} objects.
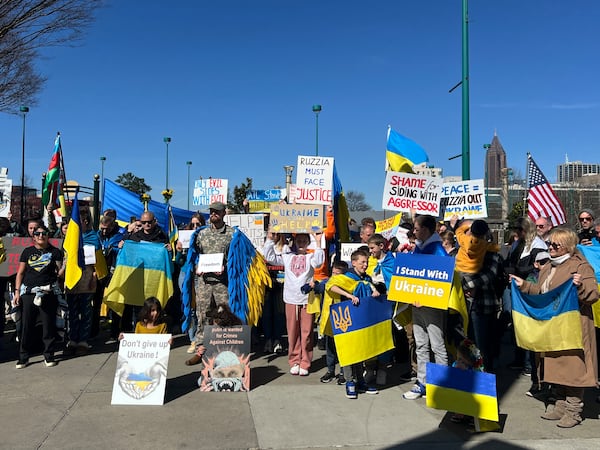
[
  {"x": 141, "y": 375},
  {"x": 184, "y": 237},
  {"x": 347, "y": 249},
  {"x": 226, "y": 359},
  {"x": 466, "y": 199},
  {"x": 209, "y": 190},
  {"x": 296, "y": 218},
  {"x": 260, "y": 200},
  {"x": 408, "y": 191},
  {"x": 423, "y": 278},
  {"x": 5, "y": 193},
  {"x": 314, "y": 180},
  {"x": 252, "y": 225},
  {"x": 209, "y": 263},
  {"x": 14, "y": 246}
]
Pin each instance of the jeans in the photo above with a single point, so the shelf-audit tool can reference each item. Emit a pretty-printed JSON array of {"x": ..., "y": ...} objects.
[
  {"x": 273, "y": 317},
  {"x": 331, "y": 358},
  {"x": 482, "y": 328},
  {"x": 428, "y": 329},
  {"x": 80, "y": 316}
]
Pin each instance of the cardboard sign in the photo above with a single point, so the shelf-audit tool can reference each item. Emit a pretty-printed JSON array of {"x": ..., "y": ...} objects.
[
  {"x": 14, "y": 247},
  {"x": 252, "y": 225},
  {"x": 314, "y": 180},
  {"x": 226, "y": 360},
  {"x": 141, "y": 375},
  {"x": 260, "y": 200},
  {"x": 296, "y": 218},
  {"x": 209, "y": 263},
  {"x": 426, "y": 279},
  {"x": 209, "y": 190},
  {"x": 408, "y": 191},
  {"x": 466, "y": 199},
  {"x": 347, "y": 249},
  {"x": 185, "y": 237}
]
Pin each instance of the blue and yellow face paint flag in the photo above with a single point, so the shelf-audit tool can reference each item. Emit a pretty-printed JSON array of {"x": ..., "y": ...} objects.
[
  {"x": 547, "y": 322},
  {"x": 466, "y": 392},
  {"x": 403, "y": 153},
  {"x": 362, "y": 331},
  {"x": 592, "y": 254},
  {"x": 73, "y": 246},
  {"x": 143, "y": 269}
]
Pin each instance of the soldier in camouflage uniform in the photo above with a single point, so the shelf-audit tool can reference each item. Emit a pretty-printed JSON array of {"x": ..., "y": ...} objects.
[{"x": 211, "y": 287}]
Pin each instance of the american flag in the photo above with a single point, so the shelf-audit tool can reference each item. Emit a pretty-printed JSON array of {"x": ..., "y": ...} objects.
[{"x": 541, "y": 199}]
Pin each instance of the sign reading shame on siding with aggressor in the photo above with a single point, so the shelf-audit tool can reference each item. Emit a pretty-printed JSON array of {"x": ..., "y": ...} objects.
[{"x": 408, "y": 191}]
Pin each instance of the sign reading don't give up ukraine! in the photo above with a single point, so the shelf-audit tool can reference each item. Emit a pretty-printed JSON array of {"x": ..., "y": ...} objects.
[{"x": 423, "y": 279}]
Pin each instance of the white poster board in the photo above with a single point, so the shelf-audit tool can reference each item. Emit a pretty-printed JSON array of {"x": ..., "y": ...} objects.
[
  {"x": 409, "y": 191},
  {"x": 184, "y": 237},
  {"x": 314, "y": 180},
  {"x": 347, "y": 249},
  {"x": 465, "y": 198},
  {"x": 209, "y": 190},
  {"x": 5, "y": 193},
  {"x": 252, "y": 225},
  {"x": 141, "y": 375},
  {"x": 209, "y": 263}
]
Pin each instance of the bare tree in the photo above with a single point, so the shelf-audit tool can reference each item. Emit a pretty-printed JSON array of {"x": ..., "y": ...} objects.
[
  {"x": 26, "y": 26},
  {"x": 356, "y": 201}
]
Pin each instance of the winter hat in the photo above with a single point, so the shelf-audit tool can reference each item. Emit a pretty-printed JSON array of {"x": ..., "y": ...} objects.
[
  {"x": 479, "y": 228},
  {"x": 588, "y": 211},
  {"x": 541, "y": 256}
]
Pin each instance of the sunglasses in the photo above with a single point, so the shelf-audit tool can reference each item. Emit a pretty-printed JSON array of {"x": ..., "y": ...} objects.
[
  {"x": 146, "y": 222},
  {"x": 554, "y": 245},
  {"x": 40, "y": 233},
  {"x": 585, "y": 219},
  {"x": 540, "y": 226}
]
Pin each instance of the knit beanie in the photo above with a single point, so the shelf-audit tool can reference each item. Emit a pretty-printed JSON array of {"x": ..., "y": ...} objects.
[
  {"x": 588, "y": 211},
  {"x": 479, "y": 228}
]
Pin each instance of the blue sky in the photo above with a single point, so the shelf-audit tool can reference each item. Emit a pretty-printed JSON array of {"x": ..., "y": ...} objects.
[{"x": 233, "y": 83}]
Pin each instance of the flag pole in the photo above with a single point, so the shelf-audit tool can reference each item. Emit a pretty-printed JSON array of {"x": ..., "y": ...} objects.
[
  {"x": 527, "y": 174},
  {"x": 62, "y": 181}
]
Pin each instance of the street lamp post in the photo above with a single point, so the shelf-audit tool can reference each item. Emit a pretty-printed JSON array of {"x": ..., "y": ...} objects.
[
  {"x": 316, "y": 109},
  {"x": 288, "y": 180},
  {"x": 102, "y": 160},
  {"x": 24, "y": 110},
  {"x": 166, "y": 140},
  {"x": 188, "y": 164}
]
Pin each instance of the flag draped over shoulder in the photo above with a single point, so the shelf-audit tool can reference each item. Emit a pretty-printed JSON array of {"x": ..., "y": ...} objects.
[
  {"x": 592, "y": 254},
  {"x": 51, "y": 183},
  {"x": 143, "y": 269},
  {"x": 547, "y": 322},
  {"x": 73, "y": 246},
  {"x": 403, "y": 153},
  {"x": 462, "y": 391},
  {"x": 341, "y": 215},
  {"x": 542, "y": 201}
]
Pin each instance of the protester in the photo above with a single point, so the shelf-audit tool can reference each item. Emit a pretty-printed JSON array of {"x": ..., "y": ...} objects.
[
  {"x": 151, "y": 319},
  {"x": 586, "y": 226},
  {"x": 543, "y": 225},
  {"x": 474, "y": 241}
]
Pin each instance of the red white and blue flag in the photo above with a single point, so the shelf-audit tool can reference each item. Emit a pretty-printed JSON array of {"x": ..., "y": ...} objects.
[{"x": 542, "y": 201}]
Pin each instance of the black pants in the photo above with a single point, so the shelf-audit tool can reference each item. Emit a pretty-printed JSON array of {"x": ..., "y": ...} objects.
[{"x": 46, "y": 314}]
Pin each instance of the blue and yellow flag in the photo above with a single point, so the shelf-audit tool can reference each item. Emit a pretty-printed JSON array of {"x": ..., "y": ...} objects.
[
  {"x": 547, "y": 322},
  {"x": 143, "y": 269},
  {"x": 73, "y": 246},
  {"x": 592, "y": 254},
  {"x": 462, "y": 391},
  {"x": 362, "y": 331},
  {"x": 403, "y": 153},
  {"x": 173, "y": 232}
]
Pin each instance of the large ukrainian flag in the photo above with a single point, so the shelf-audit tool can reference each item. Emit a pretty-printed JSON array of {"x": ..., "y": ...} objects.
[
  {"x": 462, "y": 391},
  {"x": 547, "y": 322},
  {"x": 403, "y": 153},
  {"x": 592, "y": 254},
  {"x": 362, "y": 331},
  {"x": 143, "y": 270}
]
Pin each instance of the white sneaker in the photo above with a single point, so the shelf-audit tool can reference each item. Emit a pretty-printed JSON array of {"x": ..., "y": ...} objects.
[
  {"x": 302, "y": 372},
  {"x": 295, "y": 369},
  {"x": 192, "y": 348},
  {"x": 414, "y": 393},
  {"x": 278, "y": 348}
]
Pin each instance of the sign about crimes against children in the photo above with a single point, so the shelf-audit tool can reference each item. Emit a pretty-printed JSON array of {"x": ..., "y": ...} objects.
[
  {"x": 260, "y": 200},
  {"x": 314, "y": 180},
  {"x": 141, "y": 375},
  {"x": 408, "y": 191},
  {"x": 226, "y": 359},
  {"x": 209, "y": 190},
  {"x": 296, "y": 218},
  {"x": 466, "y": 199},
  {"x": 426, "y": 279},
  {"x": 252, "y": 225}
]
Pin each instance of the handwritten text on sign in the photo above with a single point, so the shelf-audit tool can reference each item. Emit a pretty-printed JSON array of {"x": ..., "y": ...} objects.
[
  {"x": 252, "y": 225},
  {"x": 296, "y": 218},
  {"x": 426, "y": 279},
  {"x": 314, "y": 180},
  {"x": 408, "y": 191},
  {"x": 209, "y": 190},
  {"x": 466, "y": 199}
]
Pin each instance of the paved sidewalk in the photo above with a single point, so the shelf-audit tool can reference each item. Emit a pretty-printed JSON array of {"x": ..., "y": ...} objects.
[{"x": 68, "y": 407}]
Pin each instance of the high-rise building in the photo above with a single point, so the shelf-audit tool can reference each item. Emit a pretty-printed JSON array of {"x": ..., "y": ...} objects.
[
  {"x": 495, "y": 161},
  {"x": 570, "y": 171}
]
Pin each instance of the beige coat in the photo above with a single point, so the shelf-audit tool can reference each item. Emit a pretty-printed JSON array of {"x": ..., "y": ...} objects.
[{"x": 575, "y": 368}]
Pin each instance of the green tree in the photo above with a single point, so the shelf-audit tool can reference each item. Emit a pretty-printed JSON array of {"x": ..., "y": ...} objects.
[
  {"x": 515, "y": 213},
  {"x": 26, "y": 26},
  {"x": 236, "y": 202},
  {"x": 133, "y": 183},
  {"x": 356, "y": 201}
]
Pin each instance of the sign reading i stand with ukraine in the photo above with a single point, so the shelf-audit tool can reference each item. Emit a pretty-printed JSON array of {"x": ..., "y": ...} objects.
[{"x": 426, "y": 279}]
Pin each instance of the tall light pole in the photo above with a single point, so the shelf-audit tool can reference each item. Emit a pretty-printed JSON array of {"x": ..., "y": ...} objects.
[
  {"x": 166, "y": 140},
  {"x": 188, "y": 164},
  {"x": 466, "y": 152},
  {"x": 24, "y": 110},
  {"x": 102, "y": 160},
  {"x": 288, "y": 180},
  {"x": 316, "y": 109}
]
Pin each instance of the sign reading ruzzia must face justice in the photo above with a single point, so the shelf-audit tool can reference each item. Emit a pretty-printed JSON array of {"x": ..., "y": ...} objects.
[
  {"x": 408, "y": 191},
  {"x": 314, "y": 180},
  {"x": 423, "y": 279}
]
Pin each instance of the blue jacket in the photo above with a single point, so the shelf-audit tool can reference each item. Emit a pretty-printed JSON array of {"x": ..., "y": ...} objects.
[{"x": 432, "y": 246}]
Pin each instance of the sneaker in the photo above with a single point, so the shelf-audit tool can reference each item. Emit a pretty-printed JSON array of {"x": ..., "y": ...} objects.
[
  {"x": 364, "y": 388},
  {"x": 110, "y": 341},
  {"x": 381, "y": 377},
  {"x": 192, "y": 348},
  {"x": 417, "y": 391},
  {"x": 277, "y": 348},
  {"x": 22, "y": 364},
  {"x": 351, "y": 390},
  {"x": 533, "y": 390},
  {"x": 409, "y": 376},
  {"x": 328, "y": 377},
  {"x": 303, "y": 372},
  {"x": 50, "y": 363},
  {"x": 340, "y": 379},
  {"x": 526, "y": 372},
  {"x": 295, "y": 369}
]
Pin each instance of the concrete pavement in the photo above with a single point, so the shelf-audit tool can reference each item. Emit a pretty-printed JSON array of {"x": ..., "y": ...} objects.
[{"x": 68, "y": 407}]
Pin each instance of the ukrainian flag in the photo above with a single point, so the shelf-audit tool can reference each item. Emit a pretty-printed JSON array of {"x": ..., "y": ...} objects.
[
  {"x": 73, "y": 246},
  {"x": 143, "y": 270},
  {"x": 403, "y": 153},
  {"x": 362, "y": 331},
  {"x": 547, "y": 322},
  {"x": 592, "y": 254},
  {"x": 462, "y": 391}
]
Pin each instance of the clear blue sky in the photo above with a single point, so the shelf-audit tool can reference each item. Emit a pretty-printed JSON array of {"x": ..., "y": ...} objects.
[{"x": 233, "y": 82}]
